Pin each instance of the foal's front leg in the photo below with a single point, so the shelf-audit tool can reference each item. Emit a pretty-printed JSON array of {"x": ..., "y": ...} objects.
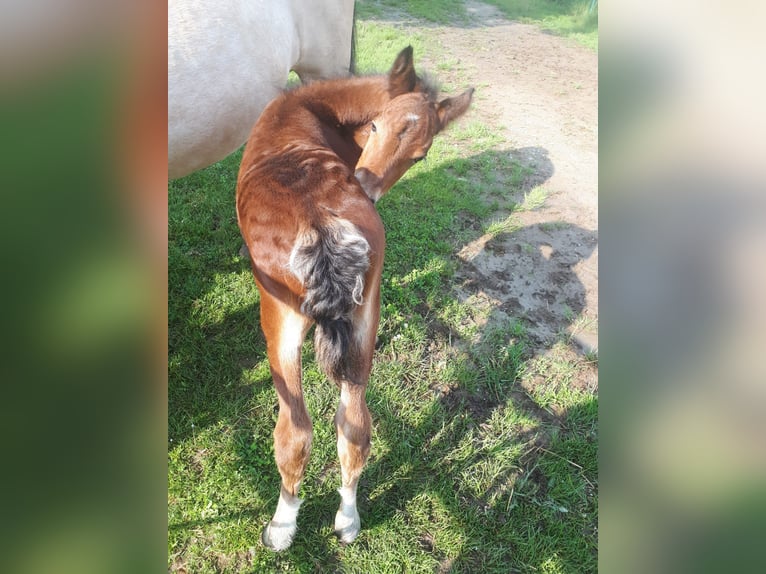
[{"x": 285, "y": 329}]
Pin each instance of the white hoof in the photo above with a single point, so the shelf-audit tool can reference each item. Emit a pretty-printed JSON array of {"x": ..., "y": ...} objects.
[
  {"x": 347, "y": 524},
  {"x": 277, "y": 536}
]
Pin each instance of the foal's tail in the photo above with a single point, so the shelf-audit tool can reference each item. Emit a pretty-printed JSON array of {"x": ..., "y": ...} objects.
[{"x": 331, "y": 262}]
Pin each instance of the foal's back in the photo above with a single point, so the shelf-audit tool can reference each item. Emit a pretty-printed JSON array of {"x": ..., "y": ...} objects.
[{"x": 297, "y": 171}]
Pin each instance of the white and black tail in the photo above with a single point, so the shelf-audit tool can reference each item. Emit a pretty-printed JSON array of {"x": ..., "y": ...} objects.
[{"x": 331, "y": 262}]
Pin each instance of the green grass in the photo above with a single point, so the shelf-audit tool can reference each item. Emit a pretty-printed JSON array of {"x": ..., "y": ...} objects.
[
  {"x": 568, "y": 18},
  {"x": 484, "y": 452},
  {"x": 442, "y": 12}
]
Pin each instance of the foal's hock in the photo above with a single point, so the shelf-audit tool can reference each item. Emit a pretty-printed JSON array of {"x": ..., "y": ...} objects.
[{"x": 316, "y": 162}]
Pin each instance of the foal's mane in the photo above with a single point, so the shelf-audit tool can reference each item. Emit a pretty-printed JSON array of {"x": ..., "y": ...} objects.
[
  {"x": 428, "y": 85},
  {"x": 332, "y": 113},
  {"x": 326, "y": 116},
  {"x": 311, "y": 94}
]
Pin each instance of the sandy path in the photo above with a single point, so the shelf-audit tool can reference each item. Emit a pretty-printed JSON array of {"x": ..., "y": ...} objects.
[{"x": 542, "y": 91}]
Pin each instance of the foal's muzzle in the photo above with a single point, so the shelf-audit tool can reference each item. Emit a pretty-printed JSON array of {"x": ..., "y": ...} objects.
[{"x": 369, "y": 182}]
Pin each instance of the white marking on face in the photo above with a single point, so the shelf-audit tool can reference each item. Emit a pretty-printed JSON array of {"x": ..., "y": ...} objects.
[{"x": 412, "y": 117}]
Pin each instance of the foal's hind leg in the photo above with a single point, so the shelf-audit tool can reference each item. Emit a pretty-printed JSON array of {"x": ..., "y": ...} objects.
[
  {"x": 352, "y": 419},
  {"x": 353, "y": 424},
  {"x": 285, "y": 329}
]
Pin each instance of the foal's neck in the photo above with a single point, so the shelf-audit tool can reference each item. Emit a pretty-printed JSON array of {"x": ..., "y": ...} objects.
[
  {"x": 341, "y": 110},
  {"x": 349, "y": 102}
]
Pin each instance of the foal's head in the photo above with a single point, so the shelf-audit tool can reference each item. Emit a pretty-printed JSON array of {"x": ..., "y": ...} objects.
[{"x": 402, "y": 135}]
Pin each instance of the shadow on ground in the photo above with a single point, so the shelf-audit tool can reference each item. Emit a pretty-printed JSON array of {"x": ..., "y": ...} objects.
[{"x": 522, "y": 284}]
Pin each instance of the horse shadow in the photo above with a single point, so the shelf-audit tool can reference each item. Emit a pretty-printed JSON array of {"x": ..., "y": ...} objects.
[
  {"x": 523, "y": 283},
  {"x": 521, "y": 280}
]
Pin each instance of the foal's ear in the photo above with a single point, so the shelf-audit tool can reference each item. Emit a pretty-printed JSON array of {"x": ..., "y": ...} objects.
[
  {"x": 453, "y": 108},
  {"x": 401, "y": 77}
]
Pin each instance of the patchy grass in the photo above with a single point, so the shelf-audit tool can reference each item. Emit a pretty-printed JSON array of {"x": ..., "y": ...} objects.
[
  {"x": 484, "y": 455},
  {"x": 378, "y": 45},
  {"x": 441, "y": 12},
  {"x": 568, "y": 18}
]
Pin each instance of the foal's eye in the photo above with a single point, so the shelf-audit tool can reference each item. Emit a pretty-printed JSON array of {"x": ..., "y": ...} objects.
[{"x": 373, "y": 128}]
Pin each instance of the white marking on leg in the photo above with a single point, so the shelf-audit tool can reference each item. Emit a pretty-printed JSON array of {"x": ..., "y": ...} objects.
[
  {"x": 347, "y": 522},
  {"x": 345, "y": 396},
  {"x": 291, "y": 335},
  {"x": 345, "y": 401},
  {"x": 362, "y": 324},
  {"x": 278, "y": 534}
]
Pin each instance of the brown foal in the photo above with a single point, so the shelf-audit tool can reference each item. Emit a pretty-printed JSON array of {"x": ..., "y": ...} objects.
[{"x": 316, "y": 162}]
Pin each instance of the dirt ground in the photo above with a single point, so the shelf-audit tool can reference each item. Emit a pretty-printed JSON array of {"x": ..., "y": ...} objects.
[{"x": 542, "y": 91}]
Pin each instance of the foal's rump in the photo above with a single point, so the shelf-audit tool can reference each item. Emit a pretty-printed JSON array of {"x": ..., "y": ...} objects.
[
  {"x": 331, "y": 261},
  {"x": 325, "y": 251}
]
